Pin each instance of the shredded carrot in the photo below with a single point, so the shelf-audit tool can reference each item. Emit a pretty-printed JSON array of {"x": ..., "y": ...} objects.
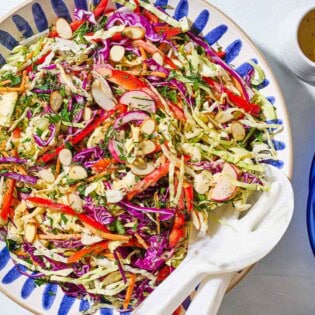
[
  {"x": 144, "y": 57},
  {"x": 59, "y": 236},
  {"x": 21, "y": 169},
  {"x": 5, "y": 82},
  {"x": 147, "y": 73},
  {"x": 24, "y": 77},
  {"x": 7, "y": 199},
  {"x": 97, "y": 176},
  {"x": 109, "y": 255},
  {"x": 108, "y": 236},
  {"x": 10, "y": 89},
  {"x": 95, "y": 248},
  {"x": 141, "y": 241},
  {"x": 30, "y": 55},
  {"x": 130, "y": 289},
  {"x": 58, "y": 167},
  {"x": 21, "y": 88},
  {"x": 20, "y": 252}
]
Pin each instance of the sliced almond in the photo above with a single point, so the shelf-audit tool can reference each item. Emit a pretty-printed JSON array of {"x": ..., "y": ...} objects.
[
  {"x": 63, "y": 28},
  {"x": 143, "y": 171},
  {"x": 158, "y": 58},
  {"x": 75, "y": 202},
  {"x": 103, "y": 95},
  {"x": 77, "y": 172},
  {"x": 87, "y": 115},
  {"x": 46, "y": 175},
  {"x": 134, "y": 32},
  {"x": 147, "y": 147},
  {"x": 114, "y": 196},
  {"x": 238, "y": 131},
  {"x": 223, "y": 117},
  {"x": 30, "y": 231},
  {"x": 55, "y": 101},
  {"x": 148, "y": 126},
  {"x": 65, "y": 157},
  {"x": 117, "y": 53}
]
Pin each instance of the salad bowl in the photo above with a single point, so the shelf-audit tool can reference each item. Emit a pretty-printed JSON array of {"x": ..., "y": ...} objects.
[{"x": 34, "y": 17}]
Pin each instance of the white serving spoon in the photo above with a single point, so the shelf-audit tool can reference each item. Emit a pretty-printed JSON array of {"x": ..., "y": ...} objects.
[{"x": 235, "y": 245}]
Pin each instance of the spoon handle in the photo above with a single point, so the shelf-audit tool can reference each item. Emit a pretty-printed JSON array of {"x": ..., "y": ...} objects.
[
  {"x": 173, "y": 291},
  {"x": 209, "y": 296}
]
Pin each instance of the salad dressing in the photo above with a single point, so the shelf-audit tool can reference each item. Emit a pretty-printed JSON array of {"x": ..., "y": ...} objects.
[{"x": 306, "y": 35}]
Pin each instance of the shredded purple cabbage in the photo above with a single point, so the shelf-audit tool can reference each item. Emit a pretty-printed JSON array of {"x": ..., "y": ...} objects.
[
  {"x": 12, "y": 160},
  {"x": 72, "y": 243},
  {"x": 29, "y": 249},
  {"x": 153, "y": 259},
  {"x": 120, "y": 268},
  {"x": 73, "y": 290},
  {"x": 98, "y": 213},
  {"x": 213, "y": 167},
  {"x": 154, "y": 66},
  {"x": 133, "y": 19},
  {"x": 50, "y": 67},
  {"x": 40, "y": 91},
  {"x": 84, "y": 15},
  {"x": 251, "y": 179},
  {"x": 28, "y": 179},
  {"x": 181, "y": 87},
  {"x": 95, "y": 153},
  {"x": 42, "y": 143},
  {"x": 245, "y": 89},
  {"x": 80, "y": 269}
]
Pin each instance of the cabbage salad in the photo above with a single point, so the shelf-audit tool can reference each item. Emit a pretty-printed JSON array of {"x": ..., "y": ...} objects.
[{"x": 119, "y": 131}]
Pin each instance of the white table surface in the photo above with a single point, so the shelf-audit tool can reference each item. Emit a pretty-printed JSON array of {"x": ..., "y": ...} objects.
[{"x": 284, "y": 282}]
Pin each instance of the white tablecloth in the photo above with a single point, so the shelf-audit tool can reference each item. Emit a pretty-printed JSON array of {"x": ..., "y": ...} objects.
[{"x": 284, "y": 282}]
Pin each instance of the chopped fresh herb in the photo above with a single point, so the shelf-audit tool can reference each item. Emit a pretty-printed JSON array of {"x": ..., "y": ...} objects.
[
  {"x": 120, "y": 228},
  {"x": 64, "y": 218}
]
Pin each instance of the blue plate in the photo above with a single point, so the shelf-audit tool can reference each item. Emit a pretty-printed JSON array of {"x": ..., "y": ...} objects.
[{"x": 311, "y": 207}]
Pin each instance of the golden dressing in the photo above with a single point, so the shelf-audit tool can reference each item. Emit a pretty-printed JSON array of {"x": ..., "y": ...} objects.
[{"x": 306, "y": 35}]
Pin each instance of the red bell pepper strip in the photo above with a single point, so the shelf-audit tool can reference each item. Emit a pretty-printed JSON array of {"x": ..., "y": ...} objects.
[
  {"x": 167, "y": 31},
  {"x": 221, "y": 54},
  {"x": 102, "y": 165},
  {"x": 75, "y": 25},
  {"x": 150, "y": 16},
  {"x": 177, "y": 230},
  {"x": 37, "y": 62},
  {"x": 148, "y": 181},
  {"x": 84, "y": 133},
  {"x": 163, "y": 273},
  {"x": 238, "y": 101},
  {"x": 189, "y": 196},
  {"x": 137, "y": 9},
  {"x": 100, "y": 8},
  {"x": 7, "y": 199},
  {"x": 47, "y": 203},
  {"x": 168, "y": 61},
  {"x": 178, "y": 112},
  {"x": 117, "y": 37},
  {"x": 93, "y": 249},
  {"x": 122, "y": 78},
  {"x": 53, "y": 33}
]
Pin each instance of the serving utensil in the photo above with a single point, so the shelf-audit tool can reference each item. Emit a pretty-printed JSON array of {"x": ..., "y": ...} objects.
[{"x": 237, "y": 243}]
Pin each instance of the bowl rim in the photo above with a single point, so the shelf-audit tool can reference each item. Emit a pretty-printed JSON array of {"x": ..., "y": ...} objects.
[
  {"x": 310, "y": 215},
  {"x": 239, "y": 276}
]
